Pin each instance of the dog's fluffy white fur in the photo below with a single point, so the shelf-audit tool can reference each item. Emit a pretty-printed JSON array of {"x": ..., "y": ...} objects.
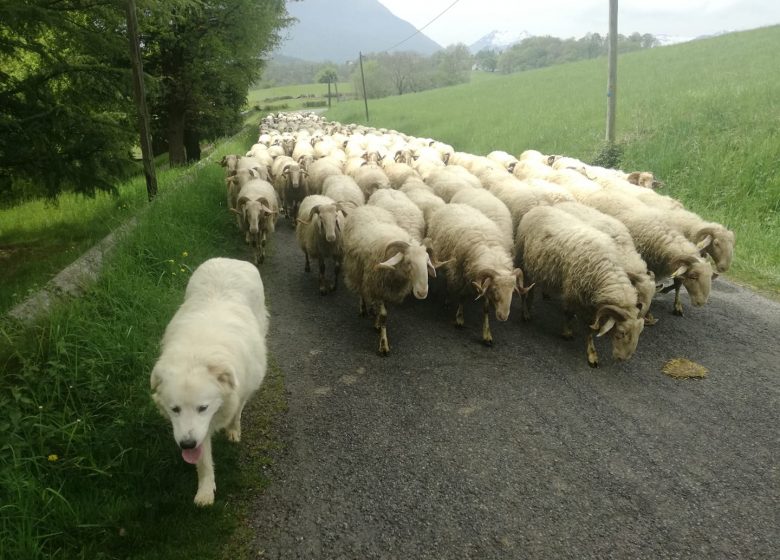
[{"x": 213, "y": 359}]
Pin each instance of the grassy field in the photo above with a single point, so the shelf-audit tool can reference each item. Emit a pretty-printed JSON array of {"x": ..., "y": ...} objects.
[
  {"x": 88, "y": 467},
  {"x": 268, "y": 99},
  {"x": 703, "y": 116}
]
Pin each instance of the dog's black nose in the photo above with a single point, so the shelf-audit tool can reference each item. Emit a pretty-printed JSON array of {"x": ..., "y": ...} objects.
[{"x": 187, "y": 444}]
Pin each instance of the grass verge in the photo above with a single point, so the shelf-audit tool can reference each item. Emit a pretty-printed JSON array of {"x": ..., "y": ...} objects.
[{"x": 88, "y": 467}]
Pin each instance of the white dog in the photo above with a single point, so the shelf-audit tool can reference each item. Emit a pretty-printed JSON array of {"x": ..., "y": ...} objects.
[{"x": 213, "y": 359}]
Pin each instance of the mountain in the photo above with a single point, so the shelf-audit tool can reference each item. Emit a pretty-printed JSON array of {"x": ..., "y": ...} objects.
[
  {"x": 498, "y": 40},
  {"x": 336, "y": 30}
]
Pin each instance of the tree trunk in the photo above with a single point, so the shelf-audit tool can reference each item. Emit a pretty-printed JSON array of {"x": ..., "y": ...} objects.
[
  {"x": 176, "y": 153},
  {"x": 329, "y": 95},
  {"x": 336, "y": 85},
  {"x": 192, "y": 145}
]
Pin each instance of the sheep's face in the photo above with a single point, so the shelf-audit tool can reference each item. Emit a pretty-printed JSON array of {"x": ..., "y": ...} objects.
[
  {"x": 254, "y": 215},
  {"x": 328, "y": 222},
  {"x": 293, "y": 174},
  {"x": 499, "y": 294},
  {"x": 697, "y": 279},
  {"x": 625, "y": 337},
  {"x": 721, "y": 249},
  {"x": 418, "y": 262}
]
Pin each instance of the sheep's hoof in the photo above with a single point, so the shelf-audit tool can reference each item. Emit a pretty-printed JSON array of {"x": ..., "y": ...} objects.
[
  {"x": 677, "y": 311},
  {"x": 593, "y": 364},
  {"x": 307, "y": 268},
  {"x": 526, "y": 316},
  {"x": 488, "y": 342},
  {"x": 323, "y": 290},
  {"x": 650, "y": 320},
  {"x": 459, "y": 324},
  {"x": 567, "y": 335}
]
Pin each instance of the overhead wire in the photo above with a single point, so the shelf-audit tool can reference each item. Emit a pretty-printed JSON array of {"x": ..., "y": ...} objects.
[{"x": 417, "y": 31}]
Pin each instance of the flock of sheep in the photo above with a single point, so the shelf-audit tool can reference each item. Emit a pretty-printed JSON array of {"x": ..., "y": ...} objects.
[{"x": 393, "y": 209}]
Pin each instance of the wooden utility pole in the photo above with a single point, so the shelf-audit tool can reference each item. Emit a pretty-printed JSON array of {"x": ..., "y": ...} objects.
[
  {"x": 612, "y": 81},
  {"x": 363, "y": 78},
  {"x": 139, "y": 92},
  {"x": 328, "y": 93}
]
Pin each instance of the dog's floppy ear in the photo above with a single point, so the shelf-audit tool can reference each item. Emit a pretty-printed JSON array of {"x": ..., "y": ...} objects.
[
  {"x": 224, "y": 376},
  {"x": 155, "y": 380}
]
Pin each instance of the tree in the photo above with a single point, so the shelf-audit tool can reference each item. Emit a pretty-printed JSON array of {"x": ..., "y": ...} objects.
[
  {"x": 65, "y": 98},
  {"x": 487, "y": 60},
  {"x": 328, "y": 75},
  {"x": 205, "y": 57},
  {"x": 452, "y": 65}
]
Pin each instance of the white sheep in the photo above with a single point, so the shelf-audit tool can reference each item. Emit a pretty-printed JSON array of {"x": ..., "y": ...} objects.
[
  {"x": 492, "y": 207},
  {"x": 507, "y": 160},
  {"x": 406, "y": 213},
  {"x": 712, "y": 238},
  {"x": 319, "y": 235},
  {"x": 666, "y": 251},
  {"x": 287, "y": 178},
  {"x": 446, "y": 181},
  {"x": 567, "y": 258},
  {"x": 229, "y": 162},
  {"x": 318, "y": 171},
  {"x": 258, "y": 209},
  {"x": 475, "y": 260},
  {"x": 518, "y": 197},
  {"x": 398, "y": 173},
  {"x": 370, "y": 178},
  {"x": 382, "y": 264},
  {"x": 343, "y": 188},
  {"x": 642, "y": 279}
]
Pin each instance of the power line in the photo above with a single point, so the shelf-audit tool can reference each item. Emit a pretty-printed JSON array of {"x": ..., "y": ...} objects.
[{"x": 424, "y": 26}]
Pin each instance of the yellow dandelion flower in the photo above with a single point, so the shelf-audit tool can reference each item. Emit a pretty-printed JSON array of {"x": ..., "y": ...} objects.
[
  {"x": 185, "y": 254},
  {"x": 53, "y": 457}
]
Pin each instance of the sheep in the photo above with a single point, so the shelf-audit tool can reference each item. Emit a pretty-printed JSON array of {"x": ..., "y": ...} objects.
[
  {"x": 666, "y": 251},
  {"x": 319, "y": 235},
  {"x": 507, "y": 160},
  {"x": 446, "y": 181},
  {"x": 320, "y": 170},
  {"x": 644, "y": 179},
  {"x": 475, "y": 259},
  {"x": 648, "y": 196},
  {"x": 287, "y": 176},
  {"x": 370, "y": 178},
  {"x": 530, "y": 169},
  {"x": 406, "y": 213},
  {"x": 229, "y": 162},
  {"x": 424, "y": 198},
  {"x": 343, "y": 188},
  {"x": 636, "y": 268},
  {"x": 260, "y": 164},
  {"x": 515, "y": 194},
  {"x": 712, "y": 238},
  {"x": 398, "y": 173},
  {"x": 565, "y": 257},
  {"x": 257, "y": 209},
  {"x": 491, "y": 207},
  {"x": 382, "y": 264},
  {"x": 235, "y": 181}
]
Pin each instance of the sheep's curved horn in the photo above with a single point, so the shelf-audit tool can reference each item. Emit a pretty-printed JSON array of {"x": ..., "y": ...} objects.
[
  {"x": 396, "y": 247},
  {"x": 633, "y": 178},
  {"x": 704, "y": 243},
  {"x": 242, "y": 200},
  {"x": 315, "y": 210},
  {"x": 392, "y": 261}
]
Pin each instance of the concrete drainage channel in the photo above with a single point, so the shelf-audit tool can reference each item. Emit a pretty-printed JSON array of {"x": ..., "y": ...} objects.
[{"x": 75, "y": 279}]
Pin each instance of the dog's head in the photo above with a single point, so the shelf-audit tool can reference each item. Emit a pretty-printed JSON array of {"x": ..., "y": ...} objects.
[{"x": 190, "y": 401}]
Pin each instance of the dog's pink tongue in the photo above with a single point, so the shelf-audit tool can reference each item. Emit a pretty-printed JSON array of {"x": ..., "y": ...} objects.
[{"x": 192, "y": 456}]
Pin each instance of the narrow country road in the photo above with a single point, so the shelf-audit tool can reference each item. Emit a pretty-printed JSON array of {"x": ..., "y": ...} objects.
[{"x": 447, "y": 449}]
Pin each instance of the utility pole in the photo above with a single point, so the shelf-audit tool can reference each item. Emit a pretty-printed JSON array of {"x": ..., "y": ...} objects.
[
  {"x": 612, "y": 81},
  {"x": 139, "y": 93},
  {"x": 363, "y": 78}
]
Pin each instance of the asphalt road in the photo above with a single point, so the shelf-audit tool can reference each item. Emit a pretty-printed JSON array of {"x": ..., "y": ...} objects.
[{"x": 448, "y": 449}]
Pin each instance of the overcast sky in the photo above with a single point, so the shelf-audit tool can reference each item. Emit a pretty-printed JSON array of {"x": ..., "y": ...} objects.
[{"x": 469, "y": 20}]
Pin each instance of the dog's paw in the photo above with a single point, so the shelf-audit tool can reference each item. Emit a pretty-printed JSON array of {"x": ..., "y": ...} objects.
[
  {"x": 234, "y": 435},
  {"x": 204, "y": 498}
]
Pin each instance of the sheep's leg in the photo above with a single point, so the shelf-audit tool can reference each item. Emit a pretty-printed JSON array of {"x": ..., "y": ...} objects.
[
  {"x": 384, "y": 345},
  {"x": 593, "y": 357},
  {"x": 459, "y": 321},
  {"x": 262, "y": 249},
  {"x": 247, "y": 238},
  {"x": 323, "y": 286},
  {"x": 362, "y": 311},
  {"x": 336, "y": 271},
  {"x": 307, "y": 267},
  {"x": 487, "y": 336},
  {"x": 650, "y": 320},
  {"x": 678, "y": 307},
  {"x": 568, "y": 318},
  {"x": 526, "y": 302}
]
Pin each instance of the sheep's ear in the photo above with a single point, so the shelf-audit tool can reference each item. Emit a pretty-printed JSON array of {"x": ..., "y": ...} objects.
[
  {"x": 392, "y": 261},
  {"x": 235, "y": 211},
  {"x": 704, "y": 243},
  {"x": 633, "y": 178},
  {"x": 482, "y": 288},
  {"x": 431, "y": 267},
  {"x": 680, "y": 271}
]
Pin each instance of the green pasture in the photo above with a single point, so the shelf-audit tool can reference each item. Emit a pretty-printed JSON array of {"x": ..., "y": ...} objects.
[
  {"x": 703, "y": 116},
  {"x": 268, "y": 99}
]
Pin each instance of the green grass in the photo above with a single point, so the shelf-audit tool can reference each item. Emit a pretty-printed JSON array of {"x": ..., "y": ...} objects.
[
  {"x": 316, "y": 93},
  {"x": 703, "y": 116},
  {"x": 88, "y": 467}
]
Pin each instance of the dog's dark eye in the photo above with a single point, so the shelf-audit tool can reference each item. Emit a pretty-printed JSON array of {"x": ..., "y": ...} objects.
[
  {"x": 176, "y": 409},
  {"x": 202, "y": 408}
]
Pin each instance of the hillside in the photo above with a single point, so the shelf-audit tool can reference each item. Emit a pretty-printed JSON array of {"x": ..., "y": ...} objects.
[
  {"x": 337, "y": 30},
  {"x": 701, "y": 115}
]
